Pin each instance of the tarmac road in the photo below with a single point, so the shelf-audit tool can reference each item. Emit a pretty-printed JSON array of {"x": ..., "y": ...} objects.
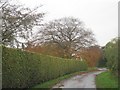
[{"x": 86, "y": 80}]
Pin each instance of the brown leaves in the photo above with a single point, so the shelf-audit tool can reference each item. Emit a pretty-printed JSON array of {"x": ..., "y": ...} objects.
[{"x": 91, "y": 55}]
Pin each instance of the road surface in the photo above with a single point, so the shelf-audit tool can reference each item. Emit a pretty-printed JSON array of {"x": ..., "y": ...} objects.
[{"x": 86, "y": 80}]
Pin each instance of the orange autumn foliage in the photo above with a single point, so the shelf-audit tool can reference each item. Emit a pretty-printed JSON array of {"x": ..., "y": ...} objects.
[
  {"x": 91, "y": 55},
  {"x": 47, "y": 49}
]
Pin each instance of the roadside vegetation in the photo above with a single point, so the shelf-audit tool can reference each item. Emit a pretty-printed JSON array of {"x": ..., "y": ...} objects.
[
  {"x": 41, "y": 52},
  {"x": 111, "y": 53},
  {"x": 25, "y": 69},
  {"x": 106, "y": 80},
  {"x": 110, "y": 79},
  {"x": 51, "y": 83}
]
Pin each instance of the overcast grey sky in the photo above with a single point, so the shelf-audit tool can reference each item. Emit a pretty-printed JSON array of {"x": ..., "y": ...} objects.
[{"x": 99, "y": 15}]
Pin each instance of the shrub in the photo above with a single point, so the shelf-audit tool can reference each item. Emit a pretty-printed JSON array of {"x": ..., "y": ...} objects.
[
  {"x": 22, "y": 69},
  {"x": 111, "y": 54}
]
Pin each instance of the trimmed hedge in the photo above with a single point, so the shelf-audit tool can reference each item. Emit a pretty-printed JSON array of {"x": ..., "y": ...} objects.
[{"x": 22, "y": 69}]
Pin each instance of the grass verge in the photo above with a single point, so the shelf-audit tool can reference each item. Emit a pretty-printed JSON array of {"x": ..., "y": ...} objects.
[
  {"x": 51, "y": 83},
  {"x": 106, "y": 80}
]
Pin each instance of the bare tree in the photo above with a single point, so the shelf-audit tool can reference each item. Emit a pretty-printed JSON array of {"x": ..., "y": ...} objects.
[
  {"x": 69, "y": 33},
  {"x": 18, "y": 22}
]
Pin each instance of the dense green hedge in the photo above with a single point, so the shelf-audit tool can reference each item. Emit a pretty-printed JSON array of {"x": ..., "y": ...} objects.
[{"x": 23, "y": 69}]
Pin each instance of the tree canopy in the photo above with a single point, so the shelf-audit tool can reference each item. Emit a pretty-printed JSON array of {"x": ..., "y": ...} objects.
[
  {"x": 17, "y": 23},
  {"x": 111, "y": 54},
  {"x": 68, "y": 33}
]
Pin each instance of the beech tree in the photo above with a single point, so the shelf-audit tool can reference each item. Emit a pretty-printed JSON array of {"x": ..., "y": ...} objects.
[
  {"x": 68, "y": 33},
  {"x": 92, "y": 55},
  {"x": 51, "y": 49}
]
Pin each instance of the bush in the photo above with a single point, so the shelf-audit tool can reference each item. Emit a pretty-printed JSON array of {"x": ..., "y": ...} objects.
[
  {"x": 22, "y": 69},
  {"x": 111, "y": 54}
]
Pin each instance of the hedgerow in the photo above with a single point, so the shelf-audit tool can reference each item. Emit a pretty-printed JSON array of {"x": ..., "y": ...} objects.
[{"x": 22, "y": 69}]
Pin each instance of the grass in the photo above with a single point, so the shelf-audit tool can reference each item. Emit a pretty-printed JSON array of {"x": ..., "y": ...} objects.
[
  {"x": 106, "y": 80},
  {"x": 51, "y": 83}
]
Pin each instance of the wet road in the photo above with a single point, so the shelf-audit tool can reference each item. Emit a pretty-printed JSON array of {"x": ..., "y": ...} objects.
[{"x": 86, "y": 80}]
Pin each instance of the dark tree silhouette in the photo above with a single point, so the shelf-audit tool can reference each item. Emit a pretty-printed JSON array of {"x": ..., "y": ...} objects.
[
  {"x": 17, "y": 23},
  {"x": 69, "y": 33}
]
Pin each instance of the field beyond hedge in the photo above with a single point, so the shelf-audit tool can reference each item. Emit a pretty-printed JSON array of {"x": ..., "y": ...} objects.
[{"x": 22, "y": 69}]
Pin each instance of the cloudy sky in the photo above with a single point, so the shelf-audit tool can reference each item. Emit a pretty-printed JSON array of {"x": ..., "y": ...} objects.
[{"x": 99, "y": 15}]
